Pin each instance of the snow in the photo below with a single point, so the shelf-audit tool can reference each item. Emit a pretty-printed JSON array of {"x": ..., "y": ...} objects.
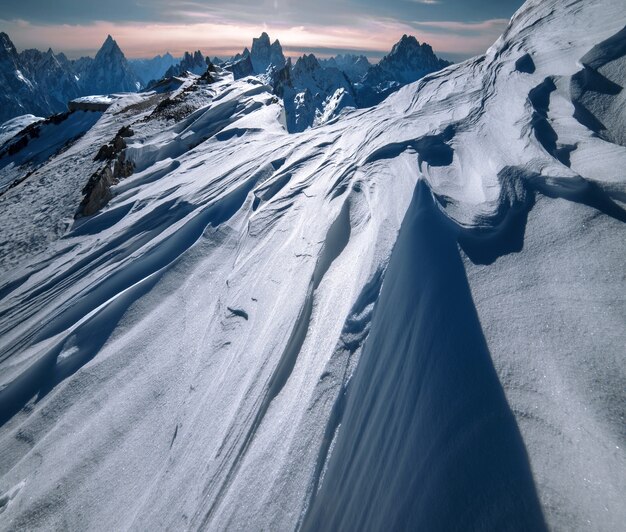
[
  {"x": 96, "y": 98},
  {"x": 408, "y": 317},
  {"x": 50, "y": 138},
  {"x": 12, "y": 127}
]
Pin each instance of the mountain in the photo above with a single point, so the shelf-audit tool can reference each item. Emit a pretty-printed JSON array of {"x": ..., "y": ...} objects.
[
  {"x": 353, "y": 66},
  {"x": 195, "y": 63},
  {"x": 148, "y": 70},
  {"x": 109, "y": 72},
  {"x": 42, "y": 83},
  {"x": 312, "y": 94},
  {"x": 263, "y": 54},
  {"x": 407, "y": 62},
  {"x": 53, "y": 77},
  {"x": 408, "y": 318},
  {"x": 18, "y": 95}
]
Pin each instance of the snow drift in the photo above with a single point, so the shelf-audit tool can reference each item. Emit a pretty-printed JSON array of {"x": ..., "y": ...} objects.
[{"x": 411, "y": 317}]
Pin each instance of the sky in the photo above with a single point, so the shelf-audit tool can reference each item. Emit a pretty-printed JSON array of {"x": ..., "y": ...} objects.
[{"x": 456, "y": 29}]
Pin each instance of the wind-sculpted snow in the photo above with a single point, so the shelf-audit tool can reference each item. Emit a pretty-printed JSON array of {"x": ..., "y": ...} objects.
[{"x": 410, "y": 317}]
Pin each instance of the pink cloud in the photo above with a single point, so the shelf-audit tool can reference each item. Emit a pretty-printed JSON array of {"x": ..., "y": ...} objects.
[{"x": 226, "y": 38}]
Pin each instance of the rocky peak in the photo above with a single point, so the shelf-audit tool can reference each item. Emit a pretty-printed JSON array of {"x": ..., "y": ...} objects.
[
  {"x": 306, "y": 63},
  {"x": 7, "y": 48},
  {"x": 109, "y": 49},
  {"x": 109, "y": 71},
  {"x": 264, "y": 54}
]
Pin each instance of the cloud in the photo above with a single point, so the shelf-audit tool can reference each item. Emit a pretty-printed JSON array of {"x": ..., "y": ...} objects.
[
  {"x": 144, "y": 28},
  {"x": 456, "y": 26},
  {"x": 371, "y": 36}
]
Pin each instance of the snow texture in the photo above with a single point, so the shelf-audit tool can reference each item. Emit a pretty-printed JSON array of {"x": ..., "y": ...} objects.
[{"x": 408, "y": 317}]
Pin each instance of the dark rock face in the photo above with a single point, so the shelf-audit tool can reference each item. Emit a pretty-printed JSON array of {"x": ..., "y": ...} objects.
[
  {"x": 242, "y": 68},
  {"x": 407, "y": 62},
  {"x": 97, "y": 192},
  {"x": 264, "y": 54}
]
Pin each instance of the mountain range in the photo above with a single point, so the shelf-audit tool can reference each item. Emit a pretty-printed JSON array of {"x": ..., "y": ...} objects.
[
  {"x": 315, "y": 91},
  {"x": 42, "y": 83}
]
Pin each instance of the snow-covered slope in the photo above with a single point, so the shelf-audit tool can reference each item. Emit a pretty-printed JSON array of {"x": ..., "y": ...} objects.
[{"x": 411, "y": 317}]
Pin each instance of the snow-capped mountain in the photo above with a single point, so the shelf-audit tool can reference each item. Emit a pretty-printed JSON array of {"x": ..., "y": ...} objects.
[
  {"x": 407, "y": 62},
  {"x": 18, "y": 95},
  {"x": 42, "y": 83},
  {"x": 311, "y": 93},
  {"x": 353, "y": 66},
  {"x": 109, "y": 72},
  {"x": 53, "y": 77},
  {"x": 409, "y": 318},
  {"x": 264, "y": 55},
  {"x": 195, "y": 63},
  {"x": 148, "y": 70}
]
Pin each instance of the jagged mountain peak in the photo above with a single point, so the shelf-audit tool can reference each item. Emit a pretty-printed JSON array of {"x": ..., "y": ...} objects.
[
  {"x": 407, "y": 62},
  {"x": 264, "y": 53},
  {"x": 408, "y": 45},
  {"x": 307, "y": 63},
  {"x": 110, "y": 48},
  {"x": 6, "y": 45}
]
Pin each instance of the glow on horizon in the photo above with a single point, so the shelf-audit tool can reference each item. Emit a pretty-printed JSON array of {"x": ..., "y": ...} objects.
[{"x": 139, "y": 40}]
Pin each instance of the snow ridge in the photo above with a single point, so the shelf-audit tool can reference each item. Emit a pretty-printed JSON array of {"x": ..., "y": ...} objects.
[{"x": 410, "y": 316}]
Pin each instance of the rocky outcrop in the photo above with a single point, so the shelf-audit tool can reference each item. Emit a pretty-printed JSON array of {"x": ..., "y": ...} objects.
[{"x": 97, "y": 192}]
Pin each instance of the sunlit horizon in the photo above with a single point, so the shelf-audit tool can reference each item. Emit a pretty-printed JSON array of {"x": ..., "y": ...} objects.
[{"x": 370, "y": 37}]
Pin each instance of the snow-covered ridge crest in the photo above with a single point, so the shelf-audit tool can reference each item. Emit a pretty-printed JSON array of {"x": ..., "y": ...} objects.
[{"x": 410, "y": 317}]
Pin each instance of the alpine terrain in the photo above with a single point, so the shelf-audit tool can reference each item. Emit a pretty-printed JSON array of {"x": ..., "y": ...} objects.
[{"x": 237, "y": 301}]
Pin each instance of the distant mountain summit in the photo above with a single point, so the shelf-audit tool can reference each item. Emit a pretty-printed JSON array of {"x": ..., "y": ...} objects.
[
  {"x": 109, "y": 72},
  {"x": 315, "y": 91},
  {"x": 42, "y": 83},
  {"x": 353, "y": 66},
  {"x": 52, "y": 76},
  {"x": 18, "y": 95},
  {"x": 313, "y": 94},
  {"x": 195, "y": 63},
  {"x": 148, "y": 70},
  {"x": 407, "y": 62},
  {"x": 263, "y": 54}
]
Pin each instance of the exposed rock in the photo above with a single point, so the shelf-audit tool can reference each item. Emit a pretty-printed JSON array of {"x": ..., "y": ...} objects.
[
  {"x": 97, "y": 192},
  {"x": 125, "y": 131},
  {"x": 242, "y": 68},
  {"x": 263, "y": 54}
]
